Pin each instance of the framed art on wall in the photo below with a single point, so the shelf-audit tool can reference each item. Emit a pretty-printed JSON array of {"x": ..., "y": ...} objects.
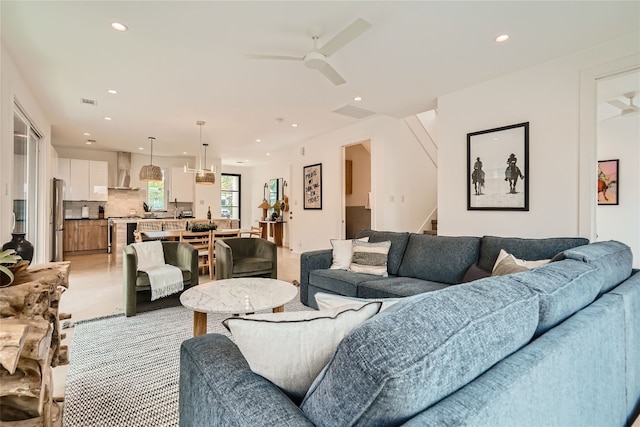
[
  {"x": 313, "y": 186},
  {"x": 608, "y": 183},
  {"x": 498, "y": 168}
]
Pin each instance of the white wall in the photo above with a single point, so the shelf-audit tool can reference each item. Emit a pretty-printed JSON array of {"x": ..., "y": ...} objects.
[
  {"x": 399, "y": 167},
  {"x": 14, "y": 88},
  {"x": 618, "y": 139},
  {"x": 547, "y": 96}
]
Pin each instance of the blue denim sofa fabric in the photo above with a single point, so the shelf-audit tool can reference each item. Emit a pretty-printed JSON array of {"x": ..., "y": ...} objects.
[{"x": 447, "y": 338}]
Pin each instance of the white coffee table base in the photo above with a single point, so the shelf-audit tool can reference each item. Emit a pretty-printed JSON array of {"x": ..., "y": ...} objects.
[{"x": 236, "y": 296}]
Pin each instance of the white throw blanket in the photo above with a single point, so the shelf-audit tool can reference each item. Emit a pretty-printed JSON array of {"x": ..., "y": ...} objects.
[{"x": 164, "y": 279}]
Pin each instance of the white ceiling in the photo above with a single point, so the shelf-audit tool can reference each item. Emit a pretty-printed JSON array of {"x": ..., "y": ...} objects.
[{"x": 183, "y": 61}]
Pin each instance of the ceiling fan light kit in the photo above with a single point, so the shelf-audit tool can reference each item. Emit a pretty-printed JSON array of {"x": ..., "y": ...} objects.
[
  {"x": 150, "y": 172},
  {"x": 317, "y": 58},
  {"x": 204, "y": 176}
]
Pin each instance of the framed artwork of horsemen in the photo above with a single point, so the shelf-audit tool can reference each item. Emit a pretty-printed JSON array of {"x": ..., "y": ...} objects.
[
  {"x": 498, "y": 168},
  {"x": 608, "y": 182}
]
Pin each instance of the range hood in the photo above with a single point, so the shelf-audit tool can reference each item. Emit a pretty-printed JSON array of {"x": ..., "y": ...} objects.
[{"x": 124, "y": 175}]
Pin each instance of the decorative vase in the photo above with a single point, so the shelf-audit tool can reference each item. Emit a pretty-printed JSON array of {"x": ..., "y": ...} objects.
[{"x": 22, "y": 247}]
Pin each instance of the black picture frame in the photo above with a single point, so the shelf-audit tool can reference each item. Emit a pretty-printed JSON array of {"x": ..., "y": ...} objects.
[
  {"x": 608, "y": 182},
  {"x": 498, "y": 169},
  {"x": 312, "y": 179}
]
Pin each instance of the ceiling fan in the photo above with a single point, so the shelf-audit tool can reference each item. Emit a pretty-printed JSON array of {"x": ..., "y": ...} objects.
[
  {"x": 625, "y": 109},
  {"x": 317, "y": 58}
]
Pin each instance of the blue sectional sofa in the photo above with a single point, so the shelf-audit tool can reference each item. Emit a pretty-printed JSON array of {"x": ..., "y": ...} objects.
[
  {"x": 419, "y": 263},
  {"x": 553, "y": 346}
]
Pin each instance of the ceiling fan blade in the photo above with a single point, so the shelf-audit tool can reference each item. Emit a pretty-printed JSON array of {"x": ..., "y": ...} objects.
[
  {"x": 618, "y": 104},
  {"x": 282, "y": 57},
  {"x": 344, "y": 37},
  {"x": 332, "y": 75}
]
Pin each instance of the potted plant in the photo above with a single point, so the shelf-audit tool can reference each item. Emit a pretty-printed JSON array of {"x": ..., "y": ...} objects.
[{"x": 8, "y": 261}]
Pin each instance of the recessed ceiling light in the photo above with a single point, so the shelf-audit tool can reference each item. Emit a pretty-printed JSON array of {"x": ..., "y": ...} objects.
[
  {"x": 118, "y": 26},
  {"x": 86, "y": 134},
  {"x": 246, "y": 161},
  {"x": 268, "y": 154},
  {"x": 258, "y": 140},
  {"x": 140, "y": 148},
  {"x": 184, "y": 152},
  {"x": 107, "y": 118},
  {"x": 501, "y": 38},
  {"x": 357, "y": 98},
  {"x": 294, "y": 125},
  {"x": 112, "y": 91}
]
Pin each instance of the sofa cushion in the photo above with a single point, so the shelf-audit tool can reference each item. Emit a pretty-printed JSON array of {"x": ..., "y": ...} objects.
[
  {"x": 266, "y": 342},
  {"x": 383, "y": 374},
  {"x": 370, "y": 258},
  {"x": 398, "y": 245},
  {"x": 250, "y": 265},
  {"x": 527, "y": 249},
  {"x": 474, "y": 273},
  {"x": 439, "y": 258},
  {"x": 563, "y": 287},
  {"x": 327, "y": 301},
  {"x": 342, "y": 252},
  {"x": 612, "y": 258},
  {"x": 340, "y": 281},
  {"x": 397, "y": 287}
]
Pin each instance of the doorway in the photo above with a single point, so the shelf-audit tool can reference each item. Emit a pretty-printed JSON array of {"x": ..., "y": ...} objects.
[
  {"x": 357, "y": 188},
  {"x": 617, "y": 136}
]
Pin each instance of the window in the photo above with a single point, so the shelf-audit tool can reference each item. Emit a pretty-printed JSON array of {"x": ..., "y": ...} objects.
[
  {"x": 156, "y": 194},
  {"x": 230, "y": 196},
  {"x": 25, "y": 176}
]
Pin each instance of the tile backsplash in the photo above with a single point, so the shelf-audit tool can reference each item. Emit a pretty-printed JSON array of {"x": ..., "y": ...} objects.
[{"x": 122, "y": 201}]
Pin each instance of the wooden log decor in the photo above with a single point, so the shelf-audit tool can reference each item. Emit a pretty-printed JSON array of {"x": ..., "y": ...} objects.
[{"x": 30, "y": 345}]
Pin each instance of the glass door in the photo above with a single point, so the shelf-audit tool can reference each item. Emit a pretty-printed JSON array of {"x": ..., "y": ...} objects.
[{"x": 25, "y": 176}]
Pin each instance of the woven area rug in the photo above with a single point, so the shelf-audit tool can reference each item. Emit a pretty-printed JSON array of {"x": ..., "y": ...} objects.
[{"x": 124, "y": 372}]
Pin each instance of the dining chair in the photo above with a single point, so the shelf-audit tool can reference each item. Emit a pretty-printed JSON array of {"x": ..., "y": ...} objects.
[
  {"x": 203, "y": 242},
  {"x": 253, "y": 232}
]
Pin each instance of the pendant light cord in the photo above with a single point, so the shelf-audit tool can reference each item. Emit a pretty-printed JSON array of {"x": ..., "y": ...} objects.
[{"x": 151, "y": 139}]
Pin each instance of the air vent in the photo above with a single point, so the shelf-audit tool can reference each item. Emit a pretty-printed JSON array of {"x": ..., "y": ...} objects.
[
  {"x": 352, "y": 111},
  {"x": 89, "y": 101}
]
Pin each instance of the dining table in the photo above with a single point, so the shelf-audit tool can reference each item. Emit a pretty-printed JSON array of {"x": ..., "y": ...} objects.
[{"x": 175, "y": 234}]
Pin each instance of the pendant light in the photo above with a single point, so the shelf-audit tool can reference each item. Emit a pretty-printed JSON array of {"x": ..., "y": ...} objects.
[
  {"x": 204, "y": 176},
  {"x": 151, "y": 172}
]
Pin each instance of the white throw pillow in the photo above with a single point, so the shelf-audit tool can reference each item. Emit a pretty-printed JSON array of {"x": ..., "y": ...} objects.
[
  {"x": 291, "y": 348},
  {"x": 505, "y": 260},
  {"x": 342, "y": 253},
  {"x": 328, "y": 302}
]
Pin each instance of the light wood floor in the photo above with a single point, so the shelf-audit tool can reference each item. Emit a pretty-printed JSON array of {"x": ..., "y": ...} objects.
[{"x": 95, "y": 290}]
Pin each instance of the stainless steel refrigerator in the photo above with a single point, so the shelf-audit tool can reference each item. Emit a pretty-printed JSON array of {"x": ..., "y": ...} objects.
[{"x": 58, "y": 220}]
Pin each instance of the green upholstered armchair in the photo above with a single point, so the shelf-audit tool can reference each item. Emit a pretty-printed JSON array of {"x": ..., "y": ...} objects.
[
  {"x": 244, "y": 257},
  {"x": 179, "y": 254}
]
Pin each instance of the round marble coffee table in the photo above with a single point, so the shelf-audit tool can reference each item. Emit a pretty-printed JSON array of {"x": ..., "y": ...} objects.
[{"x": 235, "y": 296}]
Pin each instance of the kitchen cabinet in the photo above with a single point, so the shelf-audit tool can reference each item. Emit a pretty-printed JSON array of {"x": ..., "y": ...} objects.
[
  {"x": 98, "y": 180},
  {"x": 182, "y": 185},
  {"x": 85, "y": 235},
  {"x": 83, "y": 179}
]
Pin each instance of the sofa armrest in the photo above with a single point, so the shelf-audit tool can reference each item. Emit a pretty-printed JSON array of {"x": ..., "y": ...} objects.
[
  {"x": 130, "y": 275},
  {"x": 313, "y": 260},
  {"x": 217, "y": 388},
  {"x": 267, "y": 250},
  {"x": 224, "y": 260}
]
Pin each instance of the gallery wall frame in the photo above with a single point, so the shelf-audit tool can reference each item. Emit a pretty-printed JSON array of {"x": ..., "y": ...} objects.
[
  {"x": 608, "y": 182},
  {"x": 312, "y": 178},
  {"x": 498, "y": 168}
]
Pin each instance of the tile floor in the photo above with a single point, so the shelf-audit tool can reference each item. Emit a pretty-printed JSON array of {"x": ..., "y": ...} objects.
[{"x": 95, "y": 290}]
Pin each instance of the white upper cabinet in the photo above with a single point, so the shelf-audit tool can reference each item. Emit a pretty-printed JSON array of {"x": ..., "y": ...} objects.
[
  {"x": 98, "y": 180},
  {"x": 83, "y": 179},
  {"x": 181, "y": 186}
]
